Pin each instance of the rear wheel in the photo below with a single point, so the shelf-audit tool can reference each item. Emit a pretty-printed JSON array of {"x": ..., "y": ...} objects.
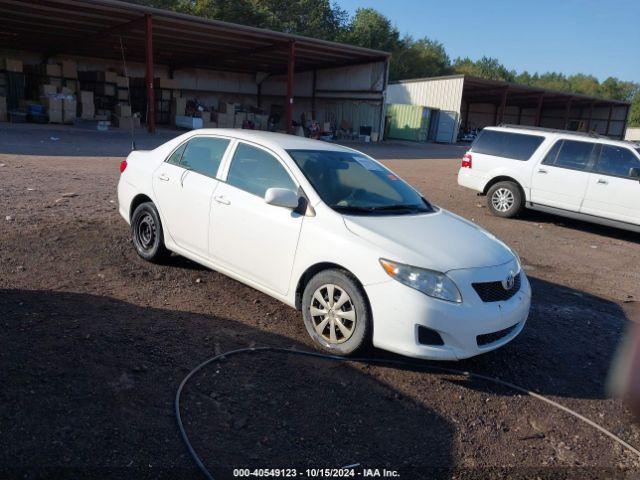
[
  {"x": 147, "y": 234},
  {"x": 505, "y": 199},
  {"x": 336, "y": 313}
]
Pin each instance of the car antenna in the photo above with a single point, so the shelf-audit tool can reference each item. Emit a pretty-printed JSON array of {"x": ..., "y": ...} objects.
[{"x": 126, "y": 75}]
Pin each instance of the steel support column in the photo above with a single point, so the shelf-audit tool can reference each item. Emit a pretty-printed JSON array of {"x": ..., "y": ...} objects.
[
  {"x": 567, "y": 111},
  {"x": 590, "y": 117},
  {"x": 466, "y": 115},
  {"x": 606, "y": 132},
  {"x": 539, "y": 110},
  {"x": 503, "y": 106},
  {"x": 151, "y": 102},
  {"x": 290, "y": 71},
  {"x": 313, "y": 95}
]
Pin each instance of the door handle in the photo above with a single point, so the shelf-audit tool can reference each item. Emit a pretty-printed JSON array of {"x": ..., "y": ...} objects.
[
  {"x": 542, "y": 170},
  {"x": 602, "y": 181},
  {"x": 221, "y": 199},
  {"x": 164, "y": 177}
]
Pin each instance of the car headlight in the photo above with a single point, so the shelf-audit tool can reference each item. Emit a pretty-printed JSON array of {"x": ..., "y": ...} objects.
[{"x": 429, "y": 282}]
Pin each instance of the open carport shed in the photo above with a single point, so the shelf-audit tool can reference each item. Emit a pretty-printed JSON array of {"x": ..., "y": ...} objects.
[
  {"x": 478, "y": 102},
  {"x": 251, "y": 61}
]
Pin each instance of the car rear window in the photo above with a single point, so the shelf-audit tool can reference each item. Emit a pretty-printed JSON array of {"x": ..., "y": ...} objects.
[{"x": 517, "y": 146}]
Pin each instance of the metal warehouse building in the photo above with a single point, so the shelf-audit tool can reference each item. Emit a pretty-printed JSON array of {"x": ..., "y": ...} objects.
[
  {"x": 466, "y": 102},
  {"x": 75, "y": 47}
]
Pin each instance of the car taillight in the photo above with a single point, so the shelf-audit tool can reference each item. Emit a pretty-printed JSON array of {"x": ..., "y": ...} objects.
[
  {"x": 123, "y": 165},
  {"x": 466, "y": 161}
]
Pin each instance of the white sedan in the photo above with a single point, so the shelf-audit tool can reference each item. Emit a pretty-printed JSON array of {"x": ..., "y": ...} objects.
[{"x": 332, "y": 232}]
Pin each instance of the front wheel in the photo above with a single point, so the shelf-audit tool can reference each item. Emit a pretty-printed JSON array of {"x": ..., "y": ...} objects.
[
  {"x": 336, "y": 313},
  {"x": 147, "y": 234},
  {"x": 505, "y": 199}
]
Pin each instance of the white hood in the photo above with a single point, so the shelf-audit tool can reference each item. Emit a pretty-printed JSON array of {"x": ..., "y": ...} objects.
[{"x": 438, "y": 241}]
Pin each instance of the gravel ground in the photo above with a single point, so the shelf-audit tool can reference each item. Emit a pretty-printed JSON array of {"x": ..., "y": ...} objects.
[{"x": 95, "y": 342}]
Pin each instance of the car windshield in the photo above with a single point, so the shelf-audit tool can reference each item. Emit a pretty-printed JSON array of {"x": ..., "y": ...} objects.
[{"x": 352, "y": 183}]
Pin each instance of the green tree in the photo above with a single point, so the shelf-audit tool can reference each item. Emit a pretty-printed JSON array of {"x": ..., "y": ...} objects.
[
  {"x": 486, "y": 67},
  {"x": 369, "y": 28},
  {"x": 634, "y": 114},
  {"x": 419, "y": 58}
]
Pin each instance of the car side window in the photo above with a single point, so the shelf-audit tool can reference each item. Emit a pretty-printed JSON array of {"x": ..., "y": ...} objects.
[
  {"x": 254, "y": 170},
  {"x": 616, "y": 161},
  {"x": 574, "y": 155},
  {"x": 204, "y": 154},
  {"x": 550, "y": 157},
  {"x": 176, "y": 156}
]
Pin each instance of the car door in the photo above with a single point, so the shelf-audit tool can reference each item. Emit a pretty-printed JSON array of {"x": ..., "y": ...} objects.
[
  {"x": 561, "y": 179},
  {"x": 249, "y": 236},
  {"x": 184, "y": 191},
  {"x": 614, "y": 185}
]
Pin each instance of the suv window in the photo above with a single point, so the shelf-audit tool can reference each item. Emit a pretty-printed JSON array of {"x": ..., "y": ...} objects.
[
  {"x": 550, "y": 158},
  {"x": 517, "y": 146},
  {"x": 616, "y": 161},
  {"x": 571, "y": 154},
  {"x": 254, "y": 170},
  {"x": 204, "y": 154}
]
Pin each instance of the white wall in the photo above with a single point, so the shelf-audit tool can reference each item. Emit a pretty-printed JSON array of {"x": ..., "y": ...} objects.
[
  {"x": 440, "y": 93},
  {"x": 633, "y": 134},
  {"x": 444, "y": 93}
]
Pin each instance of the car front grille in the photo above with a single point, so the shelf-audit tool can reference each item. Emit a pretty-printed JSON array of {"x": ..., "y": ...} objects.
[
  {"x": 488, "y": 338},
  {"x": 495, "y": 291}
]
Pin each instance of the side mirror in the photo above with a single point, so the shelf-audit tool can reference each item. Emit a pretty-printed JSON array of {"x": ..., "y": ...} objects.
[
  {"x": 281, "y": 197},
  {"x": 634, "y": 173}
]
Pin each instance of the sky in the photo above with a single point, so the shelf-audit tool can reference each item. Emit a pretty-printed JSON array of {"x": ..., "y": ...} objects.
[{"x": 601, "y": 38}]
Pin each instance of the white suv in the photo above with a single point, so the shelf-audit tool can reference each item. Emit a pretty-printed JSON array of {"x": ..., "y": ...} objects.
[{"x": 576, "y": 175}]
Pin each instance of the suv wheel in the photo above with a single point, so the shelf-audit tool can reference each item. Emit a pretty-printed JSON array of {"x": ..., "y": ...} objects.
[
  {"x": 336, "y": 313},
  {"x": 505, "y": 199}
]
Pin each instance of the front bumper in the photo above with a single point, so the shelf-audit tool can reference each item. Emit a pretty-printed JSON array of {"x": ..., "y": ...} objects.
[{"x": 398, "y": 312}]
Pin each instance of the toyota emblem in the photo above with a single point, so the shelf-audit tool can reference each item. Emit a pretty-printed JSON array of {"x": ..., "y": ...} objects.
[{"x": 509, "y": 282}]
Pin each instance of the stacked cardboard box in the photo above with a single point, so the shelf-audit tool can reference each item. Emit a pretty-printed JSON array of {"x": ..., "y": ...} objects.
[
  {"x": 69, "y": 69},
  {"x": 87, "y": 107},
  {"x": 51, "y": 70},
  {"x": 52, "y": 102},
  {"x": 239, "y": 119},
  {"x": 178, "y": 107},
  {"x": 225, "y": 120},
  {"x": 69, "y": 103},
  {"x": 110, "y": 77},
  {"x": 122, "y": 116},
  {"x": 11, "y": 65}
]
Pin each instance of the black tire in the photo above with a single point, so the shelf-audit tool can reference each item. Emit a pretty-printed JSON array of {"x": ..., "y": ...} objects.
[
  {"x": 505, "y": 199},
  {"x": 147, "y": 234},
  {"x": 357, "y": 303}
]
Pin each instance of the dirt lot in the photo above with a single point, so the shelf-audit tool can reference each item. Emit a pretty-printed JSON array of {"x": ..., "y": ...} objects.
[{"x": 95, "y": 342}]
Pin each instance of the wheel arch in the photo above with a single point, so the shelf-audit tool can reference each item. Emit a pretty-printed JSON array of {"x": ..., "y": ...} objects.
[
  {"x": 317, "y": 268},
  {"x": 503, "y": 178},
  {"x": 138, "y": 200}
]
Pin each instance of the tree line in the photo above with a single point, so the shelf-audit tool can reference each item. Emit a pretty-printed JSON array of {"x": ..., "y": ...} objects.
[{"x": 411, "y": 57}]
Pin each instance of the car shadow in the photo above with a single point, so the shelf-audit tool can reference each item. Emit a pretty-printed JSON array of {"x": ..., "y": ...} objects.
[
  {"x": 89, "y": 382},
  {"x": 565, "y": 349},
  {"x": 587, "y": 227}
]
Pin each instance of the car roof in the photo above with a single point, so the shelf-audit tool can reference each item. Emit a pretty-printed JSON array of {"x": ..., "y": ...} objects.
[
  {"x": 274, "y": 140},
  {"x": 549, "y": 132}
]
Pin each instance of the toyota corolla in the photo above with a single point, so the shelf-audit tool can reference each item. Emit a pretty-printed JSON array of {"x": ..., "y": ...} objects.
[{"x": 332, "y": 232}]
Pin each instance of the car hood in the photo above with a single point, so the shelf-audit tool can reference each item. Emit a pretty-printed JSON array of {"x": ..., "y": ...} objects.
[{"x": 439, "y": 241}]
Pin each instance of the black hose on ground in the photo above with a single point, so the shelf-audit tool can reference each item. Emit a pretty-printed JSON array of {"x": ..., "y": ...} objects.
[{"x": 378, "y": 361}]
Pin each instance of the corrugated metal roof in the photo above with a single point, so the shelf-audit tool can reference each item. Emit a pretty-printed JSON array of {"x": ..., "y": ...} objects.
[
  {"x": 481, "y": 89},
  {"x": 92, "y": 28}
]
